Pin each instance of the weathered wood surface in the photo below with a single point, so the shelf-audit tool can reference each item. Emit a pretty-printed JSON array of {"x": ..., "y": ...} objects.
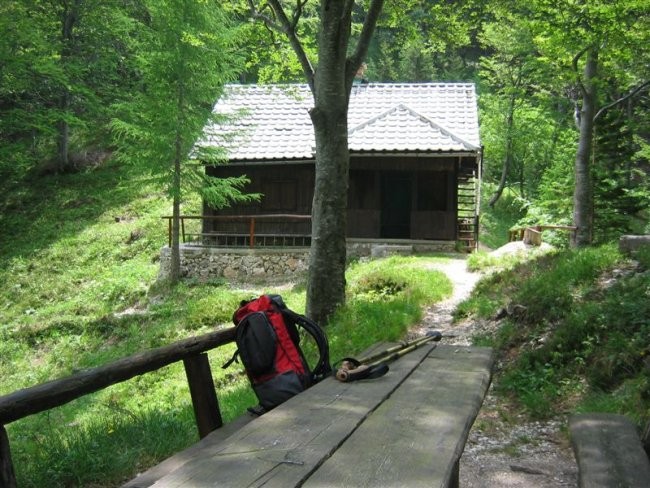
[
  {"x": 58, "y": 392},
  {"x": 422, "y": 409},
  {"x": 416, "y": 437},
  {"x": 283, "y": 447},
  {"x": 204, "y": 395},
  {"x": 7, "y": 475},
  {"x": 609, "y": 452},
  {"x": 209, "y": 444}
]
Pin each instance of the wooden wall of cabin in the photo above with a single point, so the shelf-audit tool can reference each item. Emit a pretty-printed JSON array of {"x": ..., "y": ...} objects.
[
  {"x": 285, "y": 189},
  {"x": 402, "y": 198},
  {"x": 423, "y": 191}
]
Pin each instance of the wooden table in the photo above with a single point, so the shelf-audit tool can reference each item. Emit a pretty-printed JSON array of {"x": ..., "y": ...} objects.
[{"x": 407, "y": 429}]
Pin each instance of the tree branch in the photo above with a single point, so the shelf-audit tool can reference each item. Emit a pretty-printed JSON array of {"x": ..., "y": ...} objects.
[
  {"x": 574, "y": 63},
  {"x": 622, "y": 99},
  {"x": 289, "y": 29},
  {"x": 369, "y": 25},
  {"x": 268, "y": 21},
  {"x": 297, "y": 13}
]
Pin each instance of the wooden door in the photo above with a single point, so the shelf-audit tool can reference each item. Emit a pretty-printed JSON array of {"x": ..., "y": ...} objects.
[{"x": 396, "y": 200}]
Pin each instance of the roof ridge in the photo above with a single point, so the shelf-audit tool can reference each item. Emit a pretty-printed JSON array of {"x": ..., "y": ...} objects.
[
  {"x": 415, "y": 113},
  {"x": 449, "y": 132},
  {"x": 374, "y": 119}
]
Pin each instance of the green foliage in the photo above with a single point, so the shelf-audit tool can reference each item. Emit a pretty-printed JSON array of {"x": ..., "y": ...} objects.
[
  {"x": 621, "y": 189},
  {"x": 186, "y": 55},
  {"x": 385, "y": 297},
  {"x": 420, "y": 40},
  {"x": 582, "y": 339},
  {"x": 268, "y": 59},
  {"x": 544, "y": 81},
  {"x": 63, "y": 65},
  {"x": 497, "y": 220}
]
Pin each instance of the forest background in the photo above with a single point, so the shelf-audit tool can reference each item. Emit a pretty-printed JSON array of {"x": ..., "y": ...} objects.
[
  {"x": 84, "y": 80},
  {"x": 101, "y": 102}
]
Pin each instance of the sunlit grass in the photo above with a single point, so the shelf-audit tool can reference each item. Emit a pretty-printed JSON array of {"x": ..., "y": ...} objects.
[{"x": 79, "y": 290}]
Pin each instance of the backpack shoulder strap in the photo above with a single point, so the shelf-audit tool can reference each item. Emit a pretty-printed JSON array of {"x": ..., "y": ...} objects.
[{"x": 323, "y": 367}]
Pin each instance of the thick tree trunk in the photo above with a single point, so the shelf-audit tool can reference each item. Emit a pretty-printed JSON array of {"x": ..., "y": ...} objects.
[
  {"x": 582, "y": 195},
  {"x": 326, "y": 280}
]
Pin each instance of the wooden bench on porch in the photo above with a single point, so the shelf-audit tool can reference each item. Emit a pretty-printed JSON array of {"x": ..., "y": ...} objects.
[{"x": 407, "y": 428}]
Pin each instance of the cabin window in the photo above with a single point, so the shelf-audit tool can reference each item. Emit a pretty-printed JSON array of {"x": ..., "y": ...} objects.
[
  {"x": 280, "y": 195},
  {"x": 432, "y": 191}
]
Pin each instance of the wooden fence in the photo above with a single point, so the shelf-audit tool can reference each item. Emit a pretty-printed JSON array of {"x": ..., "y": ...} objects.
[
  {"x": 250, "y": 237},
  {"x": 533, "y": 234},
  {"x": 191, "y": 351}
]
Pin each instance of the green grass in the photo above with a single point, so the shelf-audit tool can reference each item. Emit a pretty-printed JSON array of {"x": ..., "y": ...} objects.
[
  {"x": 497, "y": 221},
  {"x": 78, "y": 269},
  {"x": 583, "y": 339},
  {"x": 387, "y": 297}
]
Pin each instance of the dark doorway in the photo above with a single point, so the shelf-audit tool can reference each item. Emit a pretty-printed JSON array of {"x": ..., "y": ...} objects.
[{"x": 395, "y": 205}]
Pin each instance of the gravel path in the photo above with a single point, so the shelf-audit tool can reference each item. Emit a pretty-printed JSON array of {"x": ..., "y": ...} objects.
[{"x": 503, "y": 449}]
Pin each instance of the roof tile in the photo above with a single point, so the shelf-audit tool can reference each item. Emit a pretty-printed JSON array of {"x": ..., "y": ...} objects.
[{"x": 272, "y": 121}]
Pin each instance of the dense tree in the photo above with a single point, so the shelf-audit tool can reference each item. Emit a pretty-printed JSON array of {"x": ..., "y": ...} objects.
[
  {"x": 589, "y": 43},
  {"x": 426, "y": 40},
  {"x": 186, "y": 55},
  {"x": 509, "y": 73},
  {"x": 62, "y": 64}
]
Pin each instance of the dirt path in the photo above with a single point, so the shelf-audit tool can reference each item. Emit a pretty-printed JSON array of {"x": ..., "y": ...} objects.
[{"x": 503, "y": 450}]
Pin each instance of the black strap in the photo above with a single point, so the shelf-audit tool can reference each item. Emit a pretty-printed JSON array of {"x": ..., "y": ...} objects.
[
  {"x": 235, "y": 357},
  {"x": 360, "y": 371}
]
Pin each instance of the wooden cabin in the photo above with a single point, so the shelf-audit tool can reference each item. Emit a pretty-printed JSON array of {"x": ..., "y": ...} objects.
[{"x": 415, "y": 159}]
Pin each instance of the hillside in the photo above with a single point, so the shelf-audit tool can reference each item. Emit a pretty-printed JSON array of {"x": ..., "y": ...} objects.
[{"x": 79, "y": 266}]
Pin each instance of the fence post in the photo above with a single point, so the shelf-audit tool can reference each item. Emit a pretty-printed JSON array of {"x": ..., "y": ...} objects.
[
  {"x": 7, "y": 475},
  {"x": 252, "y": 233},
  {"x": 204, "y": 396}
]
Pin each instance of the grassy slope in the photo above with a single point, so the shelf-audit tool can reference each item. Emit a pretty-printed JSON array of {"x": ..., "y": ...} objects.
[
  {"x": 78, "y": 265},
  {"x": 580, "y": 340}
]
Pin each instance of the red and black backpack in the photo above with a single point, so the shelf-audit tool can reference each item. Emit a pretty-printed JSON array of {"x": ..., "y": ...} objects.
[{"x": 268, "y": 344}]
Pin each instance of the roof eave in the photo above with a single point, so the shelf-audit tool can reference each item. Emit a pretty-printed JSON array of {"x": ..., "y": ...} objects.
[{"x": 357, "y": 153}]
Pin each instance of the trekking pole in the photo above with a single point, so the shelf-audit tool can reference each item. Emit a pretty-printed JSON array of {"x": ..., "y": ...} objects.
[{"x": 374, "y": 366}]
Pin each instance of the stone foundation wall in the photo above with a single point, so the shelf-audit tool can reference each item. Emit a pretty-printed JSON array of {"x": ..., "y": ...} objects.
[{"x": 209, "y": 262}]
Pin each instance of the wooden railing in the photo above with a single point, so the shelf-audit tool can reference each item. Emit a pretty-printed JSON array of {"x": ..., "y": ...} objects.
[
  {"x": 250, "y": 221},
  {"x": 52, "y": 394},
  {"x": 533, "y": 234}
]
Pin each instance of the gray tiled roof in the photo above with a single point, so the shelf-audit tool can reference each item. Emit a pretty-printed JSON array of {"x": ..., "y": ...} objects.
[{"x": 273, "y": 121}]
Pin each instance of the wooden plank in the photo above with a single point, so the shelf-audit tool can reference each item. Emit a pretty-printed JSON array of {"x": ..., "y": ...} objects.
[
  {"x": 283, "y": 447},
  {"x": 204, "y": 396},
  {"x": 609, "y": 451},
  {"x": 417, "y": 436},
  {"x": 7, "y": 475},
  {"x": 206, "y": 446}
]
